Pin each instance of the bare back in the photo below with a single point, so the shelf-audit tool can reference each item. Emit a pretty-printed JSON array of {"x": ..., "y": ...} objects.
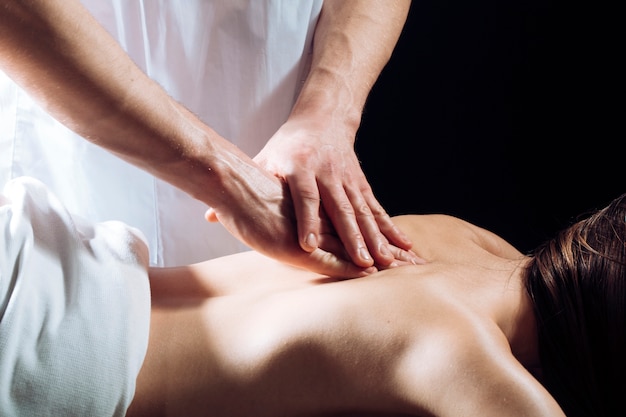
[{"x": 244, "y": 335}]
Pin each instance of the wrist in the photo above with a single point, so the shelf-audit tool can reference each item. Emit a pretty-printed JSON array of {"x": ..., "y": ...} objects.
[
  {"x": 328, "y": 97},
  {"x": 223, "y": 176}
]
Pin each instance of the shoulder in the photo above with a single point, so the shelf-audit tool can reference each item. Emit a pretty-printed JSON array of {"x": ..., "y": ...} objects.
[
  {"x": 470, "y": 371},
  {"x": 439, "y": 232}
]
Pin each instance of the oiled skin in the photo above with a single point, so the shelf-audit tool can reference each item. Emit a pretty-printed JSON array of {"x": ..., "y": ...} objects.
[{"x": 244, "y": 335}]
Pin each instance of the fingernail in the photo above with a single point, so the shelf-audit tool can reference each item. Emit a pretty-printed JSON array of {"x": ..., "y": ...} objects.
[
  {"x": 364, "y": 254},
  {"x": 311, "y": 241}
]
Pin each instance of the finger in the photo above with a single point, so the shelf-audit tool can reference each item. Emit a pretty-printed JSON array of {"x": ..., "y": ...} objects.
[
  {"x": 331, "y": 243},
  {"x": 330, "y": 264},
  {"x": 376, "y": 242},
  {"x": 403, "y": 257},
  {"x": 385, "y": 224},
  {"x": 342, "y": 215},
  {"x": 306, "y": 201}
]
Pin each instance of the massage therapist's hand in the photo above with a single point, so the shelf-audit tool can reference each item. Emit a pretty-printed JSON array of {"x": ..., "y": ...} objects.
[
  {"x": 313, "y": 152},
  {"x": 256, "y": 207},
  {"x": 317, "y": 161},
  {"x": 71, "y": 66}
]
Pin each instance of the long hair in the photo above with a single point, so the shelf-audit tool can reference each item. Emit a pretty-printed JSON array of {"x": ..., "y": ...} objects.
[{"x": 577, "y": 282}]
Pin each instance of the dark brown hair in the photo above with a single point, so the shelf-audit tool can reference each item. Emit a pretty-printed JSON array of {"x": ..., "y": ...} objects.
[{"x": 577, "y": 282}]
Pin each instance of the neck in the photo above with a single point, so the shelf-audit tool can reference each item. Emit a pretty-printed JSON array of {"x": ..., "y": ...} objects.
[{"x": 516, "y": 318}]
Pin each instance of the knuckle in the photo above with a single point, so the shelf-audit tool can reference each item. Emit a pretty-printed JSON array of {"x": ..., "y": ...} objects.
[
  {"x": 379, "y": 212},
  {"x": 309, "y": 195},
  {"x": 363, "y": 210},
  {"x": 346, "y": 208}
]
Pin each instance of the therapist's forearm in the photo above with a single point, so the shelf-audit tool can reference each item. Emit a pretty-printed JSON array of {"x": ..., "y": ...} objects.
[
  {"x": 59, "y": 53},
  {"x": 354, "y": 40}
]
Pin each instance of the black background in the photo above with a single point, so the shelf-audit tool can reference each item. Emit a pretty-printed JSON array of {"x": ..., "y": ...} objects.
[{"x": 505, "y": 113}]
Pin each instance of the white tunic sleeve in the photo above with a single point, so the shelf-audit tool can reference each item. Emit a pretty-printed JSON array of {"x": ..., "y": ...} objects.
[{"x": 74, "y": 308}]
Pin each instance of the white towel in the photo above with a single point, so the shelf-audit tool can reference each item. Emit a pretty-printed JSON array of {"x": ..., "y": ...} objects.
[{"x": 74, "y": 308}]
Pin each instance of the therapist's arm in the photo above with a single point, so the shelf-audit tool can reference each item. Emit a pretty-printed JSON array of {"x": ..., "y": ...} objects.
[
  {"x": 58, "y": 53},
  {"x": 314, "y": 150}
]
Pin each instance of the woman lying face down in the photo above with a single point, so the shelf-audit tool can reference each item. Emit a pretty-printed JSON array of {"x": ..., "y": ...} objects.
[
  {"x": 479, "y": 330},
  {"x": 471, "y": 333},
  {"x": 244, "y": 335}
]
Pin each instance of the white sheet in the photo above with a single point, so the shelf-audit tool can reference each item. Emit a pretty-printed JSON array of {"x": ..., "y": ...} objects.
[{"x": 74, "y": 308}]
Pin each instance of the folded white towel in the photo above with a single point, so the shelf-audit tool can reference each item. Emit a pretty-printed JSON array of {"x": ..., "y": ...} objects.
[{"x": 74, "y": 308}]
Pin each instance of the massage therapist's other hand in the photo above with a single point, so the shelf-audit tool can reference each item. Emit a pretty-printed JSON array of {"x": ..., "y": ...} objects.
[
  {"x": 313, "y": 151},
  {"x": 257, "y": 208},
  {"x": 316, "y": 159}
]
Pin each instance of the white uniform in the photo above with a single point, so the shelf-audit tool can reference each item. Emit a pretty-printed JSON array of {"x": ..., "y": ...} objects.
[
  {"x": 237, "y": 64},
  {"x": 74, "y": 308}
]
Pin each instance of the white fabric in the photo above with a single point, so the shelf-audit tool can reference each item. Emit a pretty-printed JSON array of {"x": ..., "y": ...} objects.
[
  {"x": 74, "y": 309},
  {"x": 237, "y": 64}
]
